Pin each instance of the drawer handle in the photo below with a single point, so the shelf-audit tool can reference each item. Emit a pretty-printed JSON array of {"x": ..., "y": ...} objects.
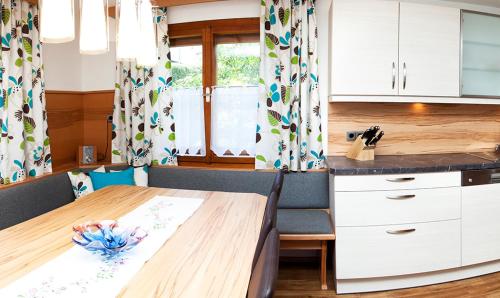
[
  {"x": 404, "y": 197},
  {"x": 406, "y": 179},
  {"x": 400, "y": 232}
]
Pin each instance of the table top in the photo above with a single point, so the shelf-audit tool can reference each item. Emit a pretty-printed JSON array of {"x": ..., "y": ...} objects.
[{"x": 210, "y": 255}]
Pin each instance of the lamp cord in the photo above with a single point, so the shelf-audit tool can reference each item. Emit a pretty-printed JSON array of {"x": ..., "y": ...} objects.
[{"x": 107, "y": 142}]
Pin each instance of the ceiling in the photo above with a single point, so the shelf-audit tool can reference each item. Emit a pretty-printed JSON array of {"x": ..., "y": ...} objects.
[
  {"x": 492, "y": 3},
  {"x": 162, "y": 3}
]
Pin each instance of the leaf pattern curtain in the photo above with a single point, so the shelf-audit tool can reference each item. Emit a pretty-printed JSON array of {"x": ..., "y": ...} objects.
[
  {"x": 24, "y": 141},
  {"x": 143, "y": 122},
  {"x": 289, "y": 122}
]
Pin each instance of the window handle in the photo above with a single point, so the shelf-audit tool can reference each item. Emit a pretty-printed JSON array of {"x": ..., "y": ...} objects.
[{"x": 207, "y": 94}]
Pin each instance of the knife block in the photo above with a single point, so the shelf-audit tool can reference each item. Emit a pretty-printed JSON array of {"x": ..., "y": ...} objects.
[{"x": 359, "y": 151}]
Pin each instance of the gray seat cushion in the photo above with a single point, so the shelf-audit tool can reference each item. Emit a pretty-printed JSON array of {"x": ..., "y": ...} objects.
[
  {"x": 27, "y": 200},
  {"x": 292, "y": 221},
  {"x": 300, "y": 190}
]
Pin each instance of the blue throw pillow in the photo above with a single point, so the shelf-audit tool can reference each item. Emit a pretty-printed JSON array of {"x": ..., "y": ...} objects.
[{"x": 101, "y": 180}]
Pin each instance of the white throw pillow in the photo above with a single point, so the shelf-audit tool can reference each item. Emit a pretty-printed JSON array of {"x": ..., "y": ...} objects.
[
  {"x": 100, "y": 169},
  {"x": 140, "y": 175},
  {"x": 81, "y": 183}
]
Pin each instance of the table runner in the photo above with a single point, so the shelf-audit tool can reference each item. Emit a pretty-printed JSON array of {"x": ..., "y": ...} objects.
[{"x": 80, "y": 273}]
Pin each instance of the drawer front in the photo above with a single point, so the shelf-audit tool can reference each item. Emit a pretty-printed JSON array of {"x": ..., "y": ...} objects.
[
  {"x": 396, "y": 182},
  {"x": 396, "y": 207},
  {"x": 366, "y": 252}
]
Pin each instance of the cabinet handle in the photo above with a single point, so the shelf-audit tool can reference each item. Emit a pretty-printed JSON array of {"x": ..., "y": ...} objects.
[
  {"x": 393, "y": 75},
  {"x": 404, "y": 75},
  {"x": 404, "y": 197},
  {"x": 400, "y": 232},
  {"x": 406, "y": 179}
]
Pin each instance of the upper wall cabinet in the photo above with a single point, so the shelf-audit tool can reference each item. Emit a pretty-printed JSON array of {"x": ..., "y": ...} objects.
[
  {"x": 364, "y": 49},
  {"x": 480, "y": 55},
  {"x": 429, "y": 50},
  {"x": 392, "y": 48}
]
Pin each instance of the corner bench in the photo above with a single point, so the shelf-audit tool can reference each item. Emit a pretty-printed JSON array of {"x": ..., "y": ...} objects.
[{"x": 303, "y": 209}]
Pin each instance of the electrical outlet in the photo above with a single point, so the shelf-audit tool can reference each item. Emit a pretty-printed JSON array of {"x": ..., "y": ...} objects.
[
  {"x": 110, "y": 118},
  {"x": 351, "y": 136}
]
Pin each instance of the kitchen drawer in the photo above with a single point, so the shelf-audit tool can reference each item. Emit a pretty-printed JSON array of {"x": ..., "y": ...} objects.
[
  {"x": 399, "y": 181},
  {"x": 396, "y": 207},
  {"x": 367, "y": 252}
]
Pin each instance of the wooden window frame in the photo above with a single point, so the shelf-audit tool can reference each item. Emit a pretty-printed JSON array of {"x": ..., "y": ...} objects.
[{"x": 208, "y": 30}]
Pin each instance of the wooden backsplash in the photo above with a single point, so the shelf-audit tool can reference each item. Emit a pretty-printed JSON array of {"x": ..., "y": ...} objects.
[{"x": 417, "y": 128}]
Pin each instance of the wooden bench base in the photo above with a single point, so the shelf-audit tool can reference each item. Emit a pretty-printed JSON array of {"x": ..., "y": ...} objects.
[{"x": 309, "y": 242}]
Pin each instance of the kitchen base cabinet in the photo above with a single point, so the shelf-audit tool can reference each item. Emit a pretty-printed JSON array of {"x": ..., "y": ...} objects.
[
  {"x": 480, "y": 223},
  {"x": 408, "y": 230}
]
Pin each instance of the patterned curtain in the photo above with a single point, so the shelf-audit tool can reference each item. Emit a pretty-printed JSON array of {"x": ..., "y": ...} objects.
[
  {"x": 289, "y": 121},
  {"x": 24, "y": 142},
  {"x": 143, "y": 122}
]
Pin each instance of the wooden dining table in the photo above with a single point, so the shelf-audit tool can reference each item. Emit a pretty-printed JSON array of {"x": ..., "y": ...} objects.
[{"x": 210, "y": 255}]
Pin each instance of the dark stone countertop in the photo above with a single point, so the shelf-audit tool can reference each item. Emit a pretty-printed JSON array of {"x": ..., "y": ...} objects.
[{"x": 401, "y": 164}]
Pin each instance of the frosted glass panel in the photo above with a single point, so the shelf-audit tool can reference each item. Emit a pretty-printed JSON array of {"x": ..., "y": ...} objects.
[{"x": 481, "y": 55}]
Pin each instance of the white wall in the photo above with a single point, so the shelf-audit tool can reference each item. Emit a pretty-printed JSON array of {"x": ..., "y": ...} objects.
[
  {"x": 67, "y": 70},
  {"x": 322, "y": 12},
  {"x": 230, "y": 9},
  {"x": 62, "y": 65}
]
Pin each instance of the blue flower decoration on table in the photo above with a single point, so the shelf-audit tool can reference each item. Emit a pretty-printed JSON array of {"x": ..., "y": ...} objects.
[{"x": 107, "y": 237}]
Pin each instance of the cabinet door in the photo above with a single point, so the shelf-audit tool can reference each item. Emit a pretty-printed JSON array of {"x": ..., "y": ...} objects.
[
  {"x": 480, "y": 224},
  {"x": 480, "y": 55},
  {"x": 364, "y": 47},
  {"x": 429, "y": 50}
]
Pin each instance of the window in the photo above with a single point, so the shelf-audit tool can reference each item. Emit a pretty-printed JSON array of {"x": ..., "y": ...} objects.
[
  {"x": 215, "y": 69},
  {"x": 187, "y": 78}
]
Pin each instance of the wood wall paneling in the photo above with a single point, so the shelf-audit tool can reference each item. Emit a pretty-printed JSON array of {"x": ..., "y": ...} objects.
[
  {"x": 417, "y": 128},
  {"x": 78, "y": 118},
  {"x": 65, "y": 123},
  {"x": 97, "y": 106}
]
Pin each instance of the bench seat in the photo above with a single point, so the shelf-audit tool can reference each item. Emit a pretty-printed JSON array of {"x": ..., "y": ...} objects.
[{"x": 304, "y": 221}]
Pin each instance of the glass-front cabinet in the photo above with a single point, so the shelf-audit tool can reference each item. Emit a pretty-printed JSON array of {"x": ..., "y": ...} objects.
[{"x": 480, "y": 55}]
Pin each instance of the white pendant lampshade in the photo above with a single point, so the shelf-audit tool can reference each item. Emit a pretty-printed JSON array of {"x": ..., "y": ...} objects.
[
  {"x": 57, "y": 24},
  {"x": 127, "y": 41},
  {"x": 94, "y": 27},
  {"x": 147, "y": 55}
]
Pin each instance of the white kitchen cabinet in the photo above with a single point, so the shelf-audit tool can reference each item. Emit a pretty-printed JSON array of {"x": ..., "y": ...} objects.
[
  {"x": 364, "y": 47},
  {"x": 391, "y": 228},
  {"x": 481, "y": 55},
  {"x": 387, "y": 48},
  {"x": 480, "y": 224},
  {"x": 429, "y": 50}
]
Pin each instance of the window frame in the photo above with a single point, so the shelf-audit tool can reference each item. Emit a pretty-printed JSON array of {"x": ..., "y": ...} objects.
[{"x": 208, "y": 30}]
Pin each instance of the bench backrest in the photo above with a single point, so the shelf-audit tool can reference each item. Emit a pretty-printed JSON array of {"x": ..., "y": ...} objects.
[
  {"x": 300, "y": 190},
  {"x": 27, "y": 200}
]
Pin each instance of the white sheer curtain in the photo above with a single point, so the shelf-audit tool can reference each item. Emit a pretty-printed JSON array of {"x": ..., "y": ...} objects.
[
  {"x": 189, "y": 121},
  {"x": 234, "y": 119}
]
